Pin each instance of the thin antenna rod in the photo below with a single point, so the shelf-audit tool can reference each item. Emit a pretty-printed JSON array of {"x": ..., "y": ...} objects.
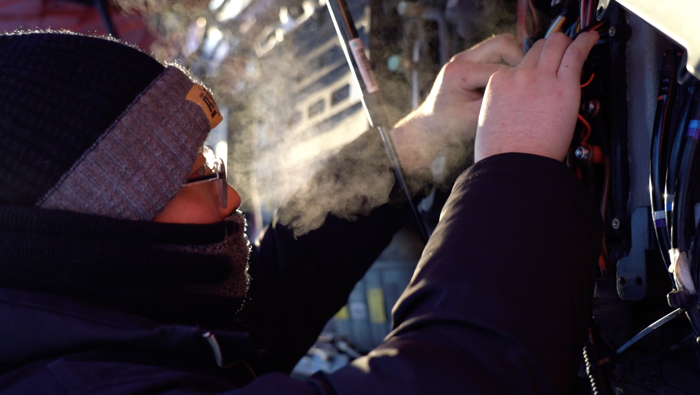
[{"x": 371, "y": 97}]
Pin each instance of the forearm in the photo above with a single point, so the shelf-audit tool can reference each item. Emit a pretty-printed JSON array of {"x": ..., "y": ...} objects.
[{"x": 302, "y": 275}]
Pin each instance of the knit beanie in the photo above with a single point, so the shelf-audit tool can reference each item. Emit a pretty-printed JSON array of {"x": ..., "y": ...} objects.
[{"x": 95, "y": 126}]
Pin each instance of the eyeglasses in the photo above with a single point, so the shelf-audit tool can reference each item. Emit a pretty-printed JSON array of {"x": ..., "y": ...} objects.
[{"x": 213, "y": 169}]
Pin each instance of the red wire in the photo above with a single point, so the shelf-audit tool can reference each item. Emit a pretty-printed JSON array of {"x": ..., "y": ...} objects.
[
  {"x": 589, "y": 81},
  {"x": 595, "y": 27},
  {"x": 586, "y": 125},
  {"x": 582, "y": 119},
  {"x": 601, "y": 262},
  {"x": 522, "y": 21},
  {"x": 534, "y": 18}
]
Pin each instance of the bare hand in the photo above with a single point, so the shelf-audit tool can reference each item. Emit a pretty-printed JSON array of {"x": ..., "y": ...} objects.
[
  {"x": 450, "y": 112},
  {"x": 532, "y": 108}
]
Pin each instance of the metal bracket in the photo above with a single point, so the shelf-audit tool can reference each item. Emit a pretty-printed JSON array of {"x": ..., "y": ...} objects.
[
  {"x": 632, "y": 269},
  {"x": 600, "y": 10}
]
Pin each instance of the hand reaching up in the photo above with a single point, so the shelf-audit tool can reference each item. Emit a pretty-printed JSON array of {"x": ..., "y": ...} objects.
[
  {"x": 451, "y": 110},
  {"x": 532, "y": 108}
]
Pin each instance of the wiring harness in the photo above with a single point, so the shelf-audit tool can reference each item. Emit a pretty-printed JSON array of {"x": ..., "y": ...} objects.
[{"x": 599, "y": 157}]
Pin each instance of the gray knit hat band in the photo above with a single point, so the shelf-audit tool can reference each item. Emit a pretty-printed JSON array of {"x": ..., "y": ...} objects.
[{"x": 136, "y": 167}]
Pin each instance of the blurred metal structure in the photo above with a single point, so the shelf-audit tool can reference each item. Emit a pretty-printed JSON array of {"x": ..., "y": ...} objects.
[{"x": 96, "y": 17}]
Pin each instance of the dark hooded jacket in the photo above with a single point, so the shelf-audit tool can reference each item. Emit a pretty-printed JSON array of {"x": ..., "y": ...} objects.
[{"x": 498, "y": 304}]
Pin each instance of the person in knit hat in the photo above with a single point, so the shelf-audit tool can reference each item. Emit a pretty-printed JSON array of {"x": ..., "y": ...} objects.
[{"x": 124, "y": 266}]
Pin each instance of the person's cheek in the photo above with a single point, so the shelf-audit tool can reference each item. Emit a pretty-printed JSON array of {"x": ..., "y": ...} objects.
[{"x": 191, "y": 205}]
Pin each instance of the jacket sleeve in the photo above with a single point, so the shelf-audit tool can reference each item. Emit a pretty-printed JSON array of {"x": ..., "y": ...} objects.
[
  {"x": 501, "y": 297},
  {"x": 500, "y": 300},
  {"x": 299, "y": 281}
]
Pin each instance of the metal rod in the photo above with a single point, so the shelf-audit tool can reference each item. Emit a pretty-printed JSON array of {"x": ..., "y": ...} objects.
[
  {"x": 371, "y": 97},
  {"x": 668, "y": 317},
  {"x": 102, "y": 7}
]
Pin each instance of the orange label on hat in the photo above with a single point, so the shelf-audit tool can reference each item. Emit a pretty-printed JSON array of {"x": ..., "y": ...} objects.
[{"x": 200, "y": 96}]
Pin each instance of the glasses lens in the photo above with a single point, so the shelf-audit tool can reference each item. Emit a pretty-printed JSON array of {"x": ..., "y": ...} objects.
[
  {"x": 221, "y": 185},
  {"x": 213, "y": 170},
  {"x": 208, "y": 152}
]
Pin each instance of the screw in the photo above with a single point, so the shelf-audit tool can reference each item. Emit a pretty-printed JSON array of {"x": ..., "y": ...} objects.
[
  {"x": 582, "y": 153},
  {"x": 612, "y": 31},
  {"x": 616, "y": 223},
  {"x": 593, "y": 107}
]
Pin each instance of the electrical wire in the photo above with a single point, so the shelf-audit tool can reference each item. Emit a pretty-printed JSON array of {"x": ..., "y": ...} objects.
[
  {"x": 587, "y": 127},
  {"x": 681, "y": 200},
  {"x": 596, "y": 27},
  {"x": 603, "y": 259},
  {"x": 589, "y": 81},
  {"x": 534, "y": 18},
  {"x": 523, "y": 31},
  {"x": 590, "y": 12},
  {"x": 556, "y": 25},
  {"x": 373, "y": 102},
  {"x": 655, "y": 325},
  {"x": 521, "y": 25},
  {"x": 571, "y": 31},
  {"x": 695, "y": 257},
  {"x": 593, "y": 28},
  {"x": 674, "y": 162},
  {"x": 658, "y": 161}
]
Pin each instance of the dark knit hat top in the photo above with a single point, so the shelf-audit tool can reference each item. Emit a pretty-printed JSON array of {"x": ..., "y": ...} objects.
[{"x": 95, "y": 126}]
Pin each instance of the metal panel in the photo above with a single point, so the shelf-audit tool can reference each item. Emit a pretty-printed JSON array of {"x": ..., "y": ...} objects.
[
  {"x": 631, "y": 270},
  {"x": 678, "y": 19}
]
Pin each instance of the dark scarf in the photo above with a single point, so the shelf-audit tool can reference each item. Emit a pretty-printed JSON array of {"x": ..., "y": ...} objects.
[{"x": 137, "y": 266}]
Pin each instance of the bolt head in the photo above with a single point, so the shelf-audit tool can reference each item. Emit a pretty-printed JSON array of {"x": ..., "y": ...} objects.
[
  {"x": 593, "y": 107},
  {"x": 581, "y": 153},
  {"x": 612, "y": 31},
  {"x": 616, "y": 223}
]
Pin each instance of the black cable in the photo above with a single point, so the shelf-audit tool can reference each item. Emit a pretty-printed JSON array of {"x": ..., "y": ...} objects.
[
  {"x": 681, "y": 202},
  {"x": 693, "y": 130},
  {"x": 674, "y": 162},
  {"x": 372, "y": 99},
  {"x": 652, "y": 327},
  {"x": 658, "y": 163},
  {"x": 694, "y": 259}
]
